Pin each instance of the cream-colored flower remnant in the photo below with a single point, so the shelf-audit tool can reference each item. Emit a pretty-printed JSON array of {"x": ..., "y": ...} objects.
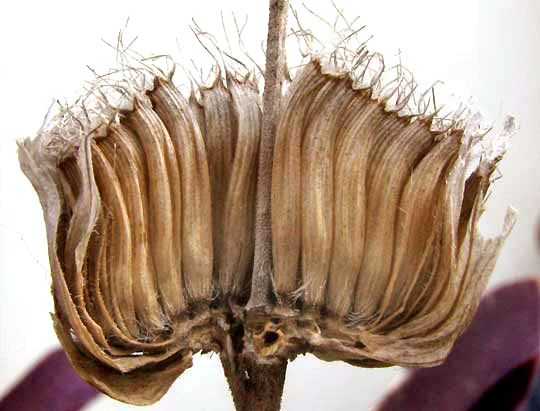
[{"x": 150, "y": 215}]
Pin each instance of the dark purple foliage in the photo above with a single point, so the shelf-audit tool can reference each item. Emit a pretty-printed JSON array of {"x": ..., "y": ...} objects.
[
  {"x": 492, "y": 366},
  {"x": 51, "y": 385}
]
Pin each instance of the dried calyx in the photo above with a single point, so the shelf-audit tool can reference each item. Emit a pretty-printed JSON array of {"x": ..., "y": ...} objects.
[{"x": 376, "y": 258}]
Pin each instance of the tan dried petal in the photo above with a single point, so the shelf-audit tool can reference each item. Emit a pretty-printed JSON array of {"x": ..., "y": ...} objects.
[
  {"x": 195, "y": 233},
  {"x": 286, "y": 181},
  {"x": 165, "y": 201},
  {"x": 239, "y": 205}
]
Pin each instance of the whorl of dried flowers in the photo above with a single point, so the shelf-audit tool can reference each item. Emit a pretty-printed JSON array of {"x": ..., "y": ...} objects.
[{"x": 150, "y": 215}]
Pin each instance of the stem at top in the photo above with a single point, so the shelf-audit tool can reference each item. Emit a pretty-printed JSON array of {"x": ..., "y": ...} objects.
[
  {"x": 275, "y": 72},
  {"x": 258, "y": 385}
]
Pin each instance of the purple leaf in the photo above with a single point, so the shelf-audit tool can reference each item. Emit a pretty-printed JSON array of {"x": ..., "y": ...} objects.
[
  {"x": 51, "y": 385},
  {"x": 492, "y": 366}
]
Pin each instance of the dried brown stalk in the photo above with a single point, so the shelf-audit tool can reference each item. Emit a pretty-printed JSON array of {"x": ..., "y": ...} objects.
[
  {"x": 340, "y": 219},
  {"x": 256, "y": 384},
  {"x": 274, "y": 76}
]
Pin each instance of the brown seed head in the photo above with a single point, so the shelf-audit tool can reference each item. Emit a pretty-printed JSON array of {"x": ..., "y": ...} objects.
[{"x": 150, "y": 216}]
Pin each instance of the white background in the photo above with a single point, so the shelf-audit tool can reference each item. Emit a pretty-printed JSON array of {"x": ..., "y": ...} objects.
[{"x": 484, "y": 48}]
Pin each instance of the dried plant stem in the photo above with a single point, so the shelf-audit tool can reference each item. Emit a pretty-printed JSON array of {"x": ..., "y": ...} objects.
[
  {"x": 257, "y": 386},
  {"x": 254, "y": 386},
  {"x": 274, "y": 76}
]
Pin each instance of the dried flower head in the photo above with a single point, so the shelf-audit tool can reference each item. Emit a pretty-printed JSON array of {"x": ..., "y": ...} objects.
[{"x": 154, "y": 216}]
